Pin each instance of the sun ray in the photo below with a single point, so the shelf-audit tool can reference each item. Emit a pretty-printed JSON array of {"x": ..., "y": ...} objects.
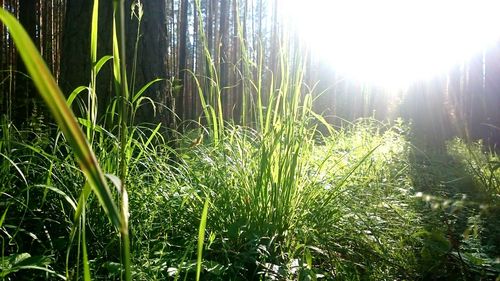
[{"x": 395, "y": 42}]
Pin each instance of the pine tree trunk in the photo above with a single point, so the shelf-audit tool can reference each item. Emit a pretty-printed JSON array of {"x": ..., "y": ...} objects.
[
  {"x": 183, "y": 30},
  {"x": 75, "y": 50},
  {"x": 152, "y": 62},
  {"x": 25, "y": 95}
]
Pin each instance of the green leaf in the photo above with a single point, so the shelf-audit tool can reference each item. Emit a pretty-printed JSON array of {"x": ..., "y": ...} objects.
[
  {"x": 27, "y": 260},
  {"x": 3, "y": 216},
  {"x": 201, "y": 238},
  {"x": 308, "y": 257},
  {"x": 93, "y": 32},
  {"x": 60, "y": 192},
  {"x": 101, "y": 63},
  {"x": 53, "y": 97},
  {"x": 17, "y": 262},
  {"x": 75, "y": 93},
  {"x": 144, "y": 88},
  {"x": 15, "y": 167}
]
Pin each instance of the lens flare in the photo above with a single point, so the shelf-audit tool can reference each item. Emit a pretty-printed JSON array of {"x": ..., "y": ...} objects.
[{"x": 395, "y": 42}]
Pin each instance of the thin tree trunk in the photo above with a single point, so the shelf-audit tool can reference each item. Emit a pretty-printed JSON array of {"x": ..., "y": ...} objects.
[
  {"x": 182, "y": 51},
  {"x": 224, "y": 56},
  {"x": 237, "y": 89},
  {"x": 196, "y": 64},
  {"x": 152, "y": 62},
  {"x": 24, "y": 97}
]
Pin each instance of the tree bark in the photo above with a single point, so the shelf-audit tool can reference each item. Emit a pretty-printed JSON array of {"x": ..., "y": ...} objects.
[
  {"x": 182, "y": 51},
  {"x": 152, "y": 54},
  {"x": 25, "y": 95},
  {"x": 152, "y": 62},
  {"x": 224, "y": 56},
  {"x": 75, "y": 50}
]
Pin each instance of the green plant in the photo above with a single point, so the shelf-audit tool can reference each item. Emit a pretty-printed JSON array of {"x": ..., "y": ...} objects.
[
  {"x": 264, "y": 196},
  {"x": 63, "y": 115},
  {"x": 484, "y": 166}
]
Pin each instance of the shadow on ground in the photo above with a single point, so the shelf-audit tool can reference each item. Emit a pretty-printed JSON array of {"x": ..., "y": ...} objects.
[{"x": 462, "y": 224}]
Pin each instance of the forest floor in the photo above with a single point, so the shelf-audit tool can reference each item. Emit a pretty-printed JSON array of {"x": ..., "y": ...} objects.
[{"x": 368, "y": 202}]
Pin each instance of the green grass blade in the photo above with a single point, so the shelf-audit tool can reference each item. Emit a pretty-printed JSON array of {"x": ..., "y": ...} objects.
[
  {"x": 76, "y": 222},
  {"x": 201, "y": 238},
  {"x": 75, "y": 94},
  {"x": 4, "y": 215},
  {"x": 56, "y": 190},
  {"x": 63, "y": 115},
  {"x": 120, "y": 71},
  {"x": 86, "y": 267},
  {"x": 93, "y": 33},
  {"x": 15, "y": 167},
  {"x": 143, "y": 89},
  {"x": 100, "y": 63},
  {"x": 148, "y": 141}
]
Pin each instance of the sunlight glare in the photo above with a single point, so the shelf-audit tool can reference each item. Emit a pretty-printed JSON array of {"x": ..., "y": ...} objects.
[{"x": 395, "y": 42}]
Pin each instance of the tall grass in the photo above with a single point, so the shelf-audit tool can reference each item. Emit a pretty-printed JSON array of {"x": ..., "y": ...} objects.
[
  {"x": 484, "y": 166},
  {"x": 53, "y": 97},
  {"x": 63, "y": 115},
  {"x": 269, "y": 198},
  {"x": 265, "y": 183}
]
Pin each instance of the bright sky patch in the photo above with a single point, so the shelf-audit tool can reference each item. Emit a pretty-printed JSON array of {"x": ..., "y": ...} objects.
[{"x": 394, "y": 42}]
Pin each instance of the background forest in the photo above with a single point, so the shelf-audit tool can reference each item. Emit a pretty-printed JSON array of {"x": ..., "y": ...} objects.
[
  {"x": 227, "y": 150},
  {"x": 173, "y": 36}
]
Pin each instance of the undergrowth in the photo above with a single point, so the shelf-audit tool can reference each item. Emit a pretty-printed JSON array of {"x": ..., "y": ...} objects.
[
  {"x": 277, "y": 199},
  {"x": 357, "y": 212}
]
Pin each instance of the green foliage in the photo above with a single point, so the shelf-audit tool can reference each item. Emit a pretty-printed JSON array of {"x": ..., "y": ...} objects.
[
  {"x": 63, "y": 115},
  {"x": 53, "y": 97},
  {"x": 352, "y": 214},
  {"x": 273, "y": 199},
  {"x": 483, "y": 166},
  {"x": 25, "y": 261}
]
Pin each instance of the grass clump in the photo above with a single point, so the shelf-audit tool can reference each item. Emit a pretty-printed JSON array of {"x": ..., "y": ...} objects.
[
  {"x": 483, "y": 166},
  {"x": 276, "y": 199},
  {"x": 459, "y": 211},
  {"x": 351, "y": 213},
  {"x": 336, "y": 214}
]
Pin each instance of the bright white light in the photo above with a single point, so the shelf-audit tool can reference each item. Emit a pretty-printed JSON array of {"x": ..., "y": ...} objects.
[{"x": 394, "y": 42}]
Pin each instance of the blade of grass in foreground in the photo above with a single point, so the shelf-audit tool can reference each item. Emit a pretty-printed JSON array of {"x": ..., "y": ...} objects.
[
  {"x": 63, "y": 115},
  {"x": 120, "y": 74},
  {"x": 201, "y": 238}
]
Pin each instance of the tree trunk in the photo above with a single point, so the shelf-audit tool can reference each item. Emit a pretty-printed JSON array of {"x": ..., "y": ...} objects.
[
  {"x": 152, "y": 62},
  {"x": 75, "y": 50},
  {"x": 152, "y": 54},
  {"x": 236, "y": 83},
  {"x": 182, "y": 51},
  {"x": 224, "y": 56},
  {"x": 25, "y": 95}
]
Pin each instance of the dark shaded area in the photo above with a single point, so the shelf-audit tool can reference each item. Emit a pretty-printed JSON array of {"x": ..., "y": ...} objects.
[
  {"x": 75, "y": 54},
  {"x": 25, "y": 97},
  {"x": 152, "y": 61},
  {"x": 453, "y": 206},
  {"x": 151, "y": 55}
]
